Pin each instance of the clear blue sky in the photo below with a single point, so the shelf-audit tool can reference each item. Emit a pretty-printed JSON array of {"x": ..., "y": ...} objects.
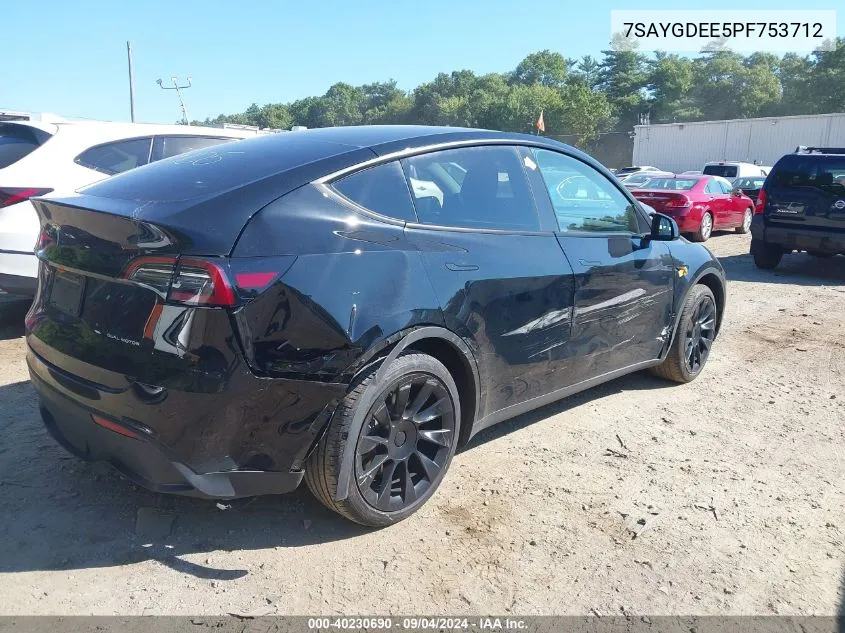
[{"x": 70, "y": 57}]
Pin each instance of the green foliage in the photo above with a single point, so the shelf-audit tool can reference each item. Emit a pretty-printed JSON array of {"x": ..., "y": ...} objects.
[{"x": 581, "y": 99}]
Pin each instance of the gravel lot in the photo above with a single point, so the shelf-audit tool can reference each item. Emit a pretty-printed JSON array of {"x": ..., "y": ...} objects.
[{"x": 728, "y": 496}]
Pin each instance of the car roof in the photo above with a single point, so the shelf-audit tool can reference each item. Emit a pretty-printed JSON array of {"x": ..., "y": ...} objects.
[{"x": 388, "y": 139}]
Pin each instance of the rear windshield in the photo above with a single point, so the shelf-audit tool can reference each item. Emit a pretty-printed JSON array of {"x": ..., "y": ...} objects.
[
  {"x": 16, "y": 141},
  {"x": 725, "y": 171},
  {"x": 627, "y": 170},
  {"x": 816, "y": 172},
  {"x": 217, "y": 169},
  {"x": 674, "y": 184}
]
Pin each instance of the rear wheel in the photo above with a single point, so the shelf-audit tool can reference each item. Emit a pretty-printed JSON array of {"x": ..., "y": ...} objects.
[
  {"x": 745, "y": 227},
  {"x": 765, "y": 256},
  {"x": 403, "y": 442},
  {"x": 696, "y": 333},
  {"x": 705, "y": 229}
]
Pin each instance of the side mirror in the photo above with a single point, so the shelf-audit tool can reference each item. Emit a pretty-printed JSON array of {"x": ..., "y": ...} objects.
[
  {"x": 737, "y": 192},
  {"x": 663, "y": 228}
]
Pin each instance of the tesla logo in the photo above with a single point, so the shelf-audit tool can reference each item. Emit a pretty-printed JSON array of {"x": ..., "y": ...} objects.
[{"x": 839, "y": 204}]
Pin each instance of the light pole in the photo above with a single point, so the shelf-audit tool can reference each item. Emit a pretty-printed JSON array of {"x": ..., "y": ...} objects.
[{"x": 177, "y": 88}]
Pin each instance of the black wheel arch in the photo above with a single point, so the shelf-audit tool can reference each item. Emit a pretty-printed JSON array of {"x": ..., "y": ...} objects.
[
  {"x": 440, "y": 343},
  {"x": 714, "y": 278}
]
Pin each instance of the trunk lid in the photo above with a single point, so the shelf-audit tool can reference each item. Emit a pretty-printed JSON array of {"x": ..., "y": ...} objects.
[{"x": 92, "y": 321}]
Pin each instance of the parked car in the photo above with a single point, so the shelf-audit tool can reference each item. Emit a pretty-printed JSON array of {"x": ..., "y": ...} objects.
[
  {"x": 735, "y": 169},
  {"x": 801, "y": 207},
  {"x": 691, "y": 172},
  {"x": 641, "y": 179},
  {"x": 230, "y": 322},
  {"x": 699, "y": 204},
  {"x": 36, "y": 158},
  {"x": 749, "y": 186},
  {"x": 623, "y": 172}
]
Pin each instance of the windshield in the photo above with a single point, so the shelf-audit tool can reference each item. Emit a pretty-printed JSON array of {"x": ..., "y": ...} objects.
[
  {"x": 17, "y": 141},
  {"x": 674, "y": 184},
  {"x": 824, "y": 173}
]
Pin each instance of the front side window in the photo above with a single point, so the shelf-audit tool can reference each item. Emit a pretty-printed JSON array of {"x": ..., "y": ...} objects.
[
  {"x": 381, "y": 189},
  {"x": 117, "y": 157},
  {"x": 167, "y": 146},
  {"x": 582, "y": 198},
  {"x": 473, "y": 187}
]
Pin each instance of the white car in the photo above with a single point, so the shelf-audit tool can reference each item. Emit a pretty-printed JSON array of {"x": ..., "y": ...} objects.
[
  {"x": 735, "y": 169},
  {"x": 624, "y": 172},
  {"x": 38, "y": 157}
]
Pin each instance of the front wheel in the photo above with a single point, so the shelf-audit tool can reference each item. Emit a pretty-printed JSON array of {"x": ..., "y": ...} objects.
[
  {"x": 745, "y": 227},
  {"x": 693, "y": 338},
  {"x": 705, "y": 229},
  {"x": 404, "y": 428}
]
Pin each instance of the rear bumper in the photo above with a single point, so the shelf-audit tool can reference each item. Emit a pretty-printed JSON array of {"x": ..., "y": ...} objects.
[
  {"x": 142, "y": 461},
  {"x": 798, "y": 238},
  {"x": 67, "y": 403}
]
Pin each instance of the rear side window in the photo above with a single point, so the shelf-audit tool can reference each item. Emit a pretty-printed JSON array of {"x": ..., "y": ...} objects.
[
  {"x": 17, "y": 141},
  {"x": 713, "y": 187},
  {"x": 167, "y": 146},
  {"x": 117, "y": 157},
  {"x": 826, "y": 173},
  {"x": 725, "y": 171},
  {"x": 381, "y": 189},
  {"x": 475, "y": 187}
]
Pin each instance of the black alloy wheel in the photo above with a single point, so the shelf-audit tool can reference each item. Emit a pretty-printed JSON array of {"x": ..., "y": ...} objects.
[
  {"x": 700, "y": 335},
  {"x": 405, "y": 442}
]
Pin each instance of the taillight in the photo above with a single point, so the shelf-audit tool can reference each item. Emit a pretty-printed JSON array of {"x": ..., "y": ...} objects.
[
  {"x": 13, "y": 195},
  {"x": 760, "y": 205},
  {"x": 156, "y": 272},
  {"x": 205, "y": 282},
  {"x": 201, "y": 282},
  {"x": 187, "y": 281},
  {"x": 679, "y": 202}
]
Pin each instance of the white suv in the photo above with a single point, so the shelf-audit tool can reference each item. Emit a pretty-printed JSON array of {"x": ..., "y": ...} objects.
[{"x": 37, "y": 157}]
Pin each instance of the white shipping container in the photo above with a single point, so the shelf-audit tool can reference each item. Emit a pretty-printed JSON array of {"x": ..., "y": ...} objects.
[{"x": 681, "y": 146}]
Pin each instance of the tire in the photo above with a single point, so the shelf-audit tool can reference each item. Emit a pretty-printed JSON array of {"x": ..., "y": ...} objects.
[
  {"x": 745, "y": 227},
  {"x": 675, "y": 366},
  {"x": 705, "y": 229},
  {"x": 765, "y": 255},
  {"x": 361, "y": 414}
]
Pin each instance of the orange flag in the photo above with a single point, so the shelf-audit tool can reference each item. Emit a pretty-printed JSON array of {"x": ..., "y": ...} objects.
[{"x": 541, "y": 124}]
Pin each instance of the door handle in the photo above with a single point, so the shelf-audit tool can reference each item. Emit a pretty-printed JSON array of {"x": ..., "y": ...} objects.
[
  {"x": 584, "y": 262},
  {"x": 460, "y": 267}
]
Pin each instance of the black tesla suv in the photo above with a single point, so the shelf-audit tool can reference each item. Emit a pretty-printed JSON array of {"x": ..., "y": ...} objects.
[{"x": 348, "y": 305}]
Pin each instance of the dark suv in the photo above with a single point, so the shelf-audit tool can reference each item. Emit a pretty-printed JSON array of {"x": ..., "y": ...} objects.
[
  {"x": 801, "y": 207},
  {"x": 348, "y": 306}
]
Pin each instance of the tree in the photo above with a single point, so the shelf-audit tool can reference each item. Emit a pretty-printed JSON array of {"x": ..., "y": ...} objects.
[
  {"x": 581, "y": 99},
  {"x": 546, "y": 68},
  {"x": 623, "y": 78}
]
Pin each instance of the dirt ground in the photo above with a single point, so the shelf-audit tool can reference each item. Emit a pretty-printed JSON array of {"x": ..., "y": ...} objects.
[{"x": 728, "y": 496}]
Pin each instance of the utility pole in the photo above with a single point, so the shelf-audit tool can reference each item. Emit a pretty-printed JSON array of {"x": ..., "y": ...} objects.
[
  {"x": 131, "y": 83},
  {"x": 177, "y": 88}
]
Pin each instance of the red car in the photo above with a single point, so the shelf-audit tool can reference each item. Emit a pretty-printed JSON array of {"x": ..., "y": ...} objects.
[{"x": 699, "y": 204}]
